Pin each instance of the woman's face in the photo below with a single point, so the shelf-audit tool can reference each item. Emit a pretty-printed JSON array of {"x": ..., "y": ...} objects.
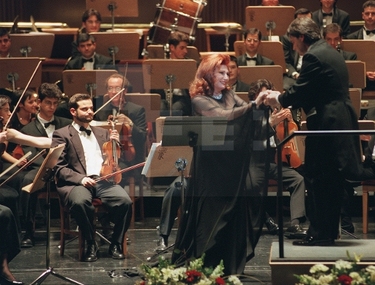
[
  {"x": 5, "y": 113},
  {"x": 31, "y": 104},
  {"x": 221, "y": 78}
]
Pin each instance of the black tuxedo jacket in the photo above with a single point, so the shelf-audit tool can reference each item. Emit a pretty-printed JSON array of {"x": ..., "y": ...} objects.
[
  {"x": 261, "y": 60},
  {"x": 242, "y": 86},
  {"x": 71, "y": 165},
  {"x": 357, "y": 35},
  {"x": 137, "y": 114},
  {"x": 36, "y": 129},
  {"x": 100, "y": 62},
  {"x": 339, "y": 16}
]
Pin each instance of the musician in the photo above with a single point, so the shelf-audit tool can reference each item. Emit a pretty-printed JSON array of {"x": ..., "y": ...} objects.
[
  {"x": 91, "y": 21},
  {"x": 78, "y": 167},
  {"x": 44, "y": 125},
  {"x": 332, "y": 33},
  {"x": 5, "y": 43},
  {"x": 252, "y": 41},
  {"x": 322, "y": 91},
  {"x": 88, "y": 58},
  {"x": 329, "y": 13},
  {"x": 181, "y": 103},
  {"x": 236, "y": 84},
  {"x": 128, "y": 113},
  {"x": 9, "y": 245},
  {"x": 367, "y": 33},
  {"x": 293, "y": 181}
]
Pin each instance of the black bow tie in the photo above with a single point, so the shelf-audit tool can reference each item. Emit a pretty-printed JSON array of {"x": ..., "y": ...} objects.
[
  {"x": 84, "y": 60},
  {"x": 46, "y": 125},
  {"x": 251, "y": 58},
  {"x": 83, "y": 129},
  {"x": 327, "y": 14},
  {"x": 370, "y": 32}
]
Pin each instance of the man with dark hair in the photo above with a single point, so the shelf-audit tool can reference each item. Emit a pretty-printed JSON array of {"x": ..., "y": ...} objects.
[
  {"x": 329, "y": 13},
  {"x": 322, "y": 91},
  {"x": 44, "y": 125},
  {"x": 77, "y": 169},
  {"x": 332, "y": 33},
  {"x": 236, "y": 84},
  {"x": 88, "y": 58},
  {"x": 252, "y": 41},
  {"x": 5, "y": 43},
  {"x": 91, "y": 20}
]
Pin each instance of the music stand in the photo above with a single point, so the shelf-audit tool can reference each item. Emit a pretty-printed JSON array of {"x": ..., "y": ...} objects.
[
  {"x": 45, "y": 176},
  {"x": 268, "y": 19},
  {"x": 118, "y": 45},
  {"x": 128, "y": 9},
  {"x": 32, "y": 44},
  {"x": 168, "y": 74},
  {"x": 86, "y": 81},
  {"x": 16, "y": 72}
]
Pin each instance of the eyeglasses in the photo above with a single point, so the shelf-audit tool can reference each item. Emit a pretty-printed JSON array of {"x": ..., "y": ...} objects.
[
  {"x": 252, "y": 40},
  {"x": 5, "y": 41},
  {"x": 116, "y": 89}
]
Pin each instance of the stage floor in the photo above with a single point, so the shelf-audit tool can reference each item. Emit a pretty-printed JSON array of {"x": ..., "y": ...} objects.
[{"x": 31, "y": 263}]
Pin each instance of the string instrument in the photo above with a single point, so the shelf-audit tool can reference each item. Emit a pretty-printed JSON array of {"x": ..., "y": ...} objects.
[
  {"x": 289, "y": 153},
  {"x": 111, "y": 151},
  {"x": 120, "y": 171}
]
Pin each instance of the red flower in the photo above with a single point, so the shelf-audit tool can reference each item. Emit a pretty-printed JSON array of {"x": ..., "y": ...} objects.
[
  {"x": 219, "y": 281},
  {"x": 193, "y": 276},
  {"x": 345, "y": 279}
]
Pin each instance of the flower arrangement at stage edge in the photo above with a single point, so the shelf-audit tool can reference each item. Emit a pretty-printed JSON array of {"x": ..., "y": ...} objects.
[
  {"x": 193, "y": 273},
  {"x": 342, "y": 273}
]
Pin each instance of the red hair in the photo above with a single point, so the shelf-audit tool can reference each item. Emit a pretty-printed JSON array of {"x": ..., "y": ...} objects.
[{"x": 203, "y": 83}]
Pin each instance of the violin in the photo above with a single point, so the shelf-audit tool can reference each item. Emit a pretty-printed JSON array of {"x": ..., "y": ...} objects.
[
  {"x": 289, "y": 153},
  {"x": 126, "y": 141},
  {"x": 111, "y": 151}
]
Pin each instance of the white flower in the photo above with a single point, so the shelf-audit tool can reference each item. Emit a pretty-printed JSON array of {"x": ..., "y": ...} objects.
[
  {"x": 318, "y": 268},
  {"x": 370, "y": 268},
  {"x": 234, "y": 280},
  {"x": 343, "y": 264},
  {"x": 218, "y": 271},
  {"x": 325, "y": 279},
  {"x": 357, "y": 278}
]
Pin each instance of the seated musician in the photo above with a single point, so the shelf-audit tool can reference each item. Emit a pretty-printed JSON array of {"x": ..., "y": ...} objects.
[
  {"x": 43, "y": 126},
  {"x": 88, "y": 58},
  {"x": 292, "y": 180},
  {"x": 332, "y": 33},
  {"x": 234, "y": 73},
  {"x": 181, "y": 103},
  {"x": 77, "y": 173},
  {"x": 132, "y": 116},
  {"x": 5, "y": 43},
  {"x": 252, "y": 42}
]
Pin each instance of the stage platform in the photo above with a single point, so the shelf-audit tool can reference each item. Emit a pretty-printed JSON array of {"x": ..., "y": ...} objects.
[{"x": 299, "y": 259}]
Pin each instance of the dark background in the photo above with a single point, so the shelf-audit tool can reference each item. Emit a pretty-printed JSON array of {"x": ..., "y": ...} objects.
[{"x": 70, "y": 12}]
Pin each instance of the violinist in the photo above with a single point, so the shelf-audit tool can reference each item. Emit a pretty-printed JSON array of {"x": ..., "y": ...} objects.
[
  {"x": 130, "y": 115},
  {"x": 43, "y": 126},
  {"x": 77, "y": 168},
  {"x": 292, "y": 180}
]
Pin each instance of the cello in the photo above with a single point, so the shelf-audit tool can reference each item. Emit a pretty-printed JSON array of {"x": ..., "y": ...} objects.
[{"x": 289, "y": 153}]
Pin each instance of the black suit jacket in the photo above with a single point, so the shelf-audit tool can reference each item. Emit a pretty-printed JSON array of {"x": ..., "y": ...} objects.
[
  {"x": 357, "y": 35},
  {"x": 100, "y": 62},
  {"x": 242, "y": 86},
  {"x": 339, "y": 16},
  {"x": 71, "y": 165},
  {"x": 261, "y": 60},
  {"x": 137, "y": 114},
  {"x": 36, "y": 129}
]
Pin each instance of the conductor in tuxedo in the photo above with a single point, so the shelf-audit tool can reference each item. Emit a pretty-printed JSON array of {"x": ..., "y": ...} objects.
[
  {"x": 88, "y": 58},
  {"x": 44, "y": 125},
  {"x": 78, "y": 167},
  {"x": 322, "y": 91},
  {"x": 252, "y": 41}
]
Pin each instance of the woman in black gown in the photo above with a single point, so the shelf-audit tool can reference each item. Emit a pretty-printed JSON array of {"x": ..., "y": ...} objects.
[{"x": 217, "y": 220}]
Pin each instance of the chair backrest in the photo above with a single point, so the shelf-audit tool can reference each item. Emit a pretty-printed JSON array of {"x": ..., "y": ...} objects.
[
  {"x": 151, "y": 103},
  {"x": 272, "y": 50},
  {"x": 357, "y": 73},
  {"x": 355, "y": 97},
  {"x": 364, "y": 50},
  {"x": 273, "y": 73}
]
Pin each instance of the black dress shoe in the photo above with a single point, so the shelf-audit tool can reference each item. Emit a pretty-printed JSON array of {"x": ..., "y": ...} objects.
[
  {"x": 272, "y": 227},
  {"x": 91, "y": 253},
  {"x": 115, "y": 251},
  {"x": 27, "y": 241},
  {"x": 311, "y": 241},
  {"x": 348, "y": 227},
  {"x": 6, "y": 281},
  {"x": 295, "y": 232}
]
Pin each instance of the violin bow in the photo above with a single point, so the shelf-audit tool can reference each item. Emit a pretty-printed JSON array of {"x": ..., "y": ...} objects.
[
  {"x": 15, "y": 164},
  {"x": 23, "y": 93},
  {"x": 106, "y": 103},
  {"x": 120, "y": 171},
  {"x": 23, "y": 166},
  {"x": 123, "y": 87}
]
